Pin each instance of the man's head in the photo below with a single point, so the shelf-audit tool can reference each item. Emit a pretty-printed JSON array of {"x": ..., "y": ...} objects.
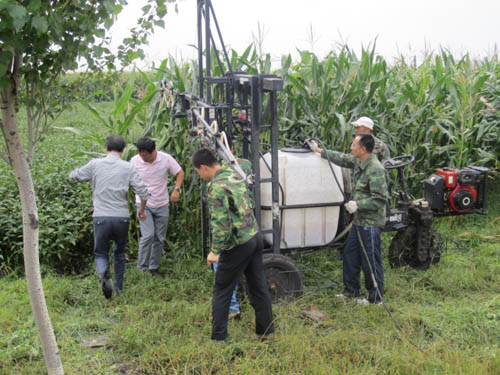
[
  {"x": 147, "y": 149},
  {"x": 115, "y": 143},
  {"x": 363, "y": 125},
  {"x": 362, "y": 146},
  {"x": 205, "y": 163}
]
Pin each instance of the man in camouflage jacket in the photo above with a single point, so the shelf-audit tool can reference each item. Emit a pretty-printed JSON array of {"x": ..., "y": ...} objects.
[
  {"x": 236, "y": 244},
  {"x": 368, "y": 206},
  {"x": 364, "y": 125}
]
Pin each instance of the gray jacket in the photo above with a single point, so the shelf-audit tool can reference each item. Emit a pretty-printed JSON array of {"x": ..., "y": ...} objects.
[{"x": 111, "y": 177}]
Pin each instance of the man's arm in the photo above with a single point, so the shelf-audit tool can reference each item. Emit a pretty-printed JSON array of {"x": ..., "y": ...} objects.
[
  {"x": 83, "y": 173},
  {"x": 220, "y": 222},
  {"x": 142, "y": 210},
  {"x": 339, "y": 158},
  {"x": 385, "y": 154},
  {"x": 141, "y": 190},
  {"x": 175, "y": 195}
]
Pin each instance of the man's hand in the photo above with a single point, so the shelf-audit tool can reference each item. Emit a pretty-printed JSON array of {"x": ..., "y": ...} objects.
[
  {"x": 312, "y": 144},
  {"x": 175, "y": 196},
  {"x": 141, "y": 214},
  {"x": 212, "y": 258},
  {"x": 351, "y": 206}
]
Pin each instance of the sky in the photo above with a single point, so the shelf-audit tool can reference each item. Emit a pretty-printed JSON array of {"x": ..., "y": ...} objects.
[{"x": 399, "y": 27}]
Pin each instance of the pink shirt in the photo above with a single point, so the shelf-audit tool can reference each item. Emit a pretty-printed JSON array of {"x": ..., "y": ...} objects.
[{"x": 154, "y": 175}]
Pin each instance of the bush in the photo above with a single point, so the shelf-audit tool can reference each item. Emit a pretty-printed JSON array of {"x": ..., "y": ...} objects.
[{"x": 65, "y": 216}]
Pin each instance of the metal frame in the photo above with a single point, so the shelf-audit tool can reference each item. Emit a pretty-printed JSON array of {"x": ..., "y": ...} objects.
[{"x": 241, "y": 92}]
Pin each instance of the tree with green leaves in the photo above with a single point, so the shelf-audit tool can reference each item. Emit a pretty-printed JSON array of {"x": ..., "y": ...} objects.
[{"x": 39, "y": 41}]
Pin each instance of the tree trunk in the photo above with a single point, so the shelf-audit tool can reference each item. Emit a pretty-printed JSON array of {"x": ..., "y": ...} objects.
[{"x": 30, "y": 231}]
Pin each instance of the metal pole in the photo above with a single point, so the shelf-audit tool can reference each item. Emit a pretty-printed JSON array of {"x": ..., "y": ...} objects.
[
  {"x": 200, "y": 49},
  {"x": 228, "y": 62},
  {"x": 208, "y": 72},
  {"x": 256, "y": 100},
  {"x": 275, "y": 174}
]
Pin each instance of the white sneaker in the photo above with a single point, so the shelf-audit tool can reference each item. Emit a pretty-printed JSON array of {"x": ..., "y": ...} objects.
[{"x": 362, "y": 301}]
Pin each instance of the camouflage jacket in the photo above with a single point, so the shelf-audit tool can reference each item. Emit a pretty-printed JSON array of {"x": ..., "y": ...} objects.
[
  {"x": 232, "y": 220},
  {"x": 381, "y": 150},
  {"x": 246, "y": 166},
  {"x": 369, "y": 187}
]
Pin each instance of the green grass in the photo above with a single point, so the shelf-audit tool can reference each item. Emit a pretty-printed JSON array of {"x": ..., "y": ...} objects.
[{"x": 162, "y": 326}]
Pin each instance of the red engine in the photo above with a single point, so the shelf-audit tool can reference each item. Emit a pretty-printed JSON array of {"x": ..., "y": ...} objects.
[{"x": 452, "y": 191}]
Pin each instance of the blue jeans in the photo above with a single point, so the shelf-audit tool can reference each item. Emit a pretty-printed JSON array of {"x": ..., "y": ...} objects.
[
  {"x": 108, "y": 229},
  {"x": 355, "y": 260},
  {"x": 234, "y": 306}
]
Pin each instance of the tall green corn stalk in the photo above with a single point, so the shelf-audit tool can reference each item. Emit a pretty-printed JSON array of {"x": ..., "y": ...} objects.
[{"x": 442, "y": 111}]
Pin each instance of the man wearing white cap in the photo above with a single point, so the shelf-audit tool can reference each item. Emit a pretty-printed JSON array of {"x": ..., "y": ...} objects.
[{"x": 364, "y": 125}]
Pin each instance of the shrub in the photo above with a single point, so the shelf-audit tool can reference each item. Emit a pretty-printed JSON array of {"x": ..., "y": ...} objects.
[{"x": 65, "y": 217}]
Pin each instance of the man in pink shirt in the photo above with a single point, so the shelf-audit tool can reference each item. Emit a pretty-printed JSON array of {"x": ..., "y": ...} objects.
[{"x": 153, "y": 167}]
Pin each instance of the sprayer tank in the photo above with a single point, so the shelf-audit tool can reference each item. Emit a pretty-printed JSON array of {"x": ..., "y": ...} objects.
[{"x": 305, "y": 179}]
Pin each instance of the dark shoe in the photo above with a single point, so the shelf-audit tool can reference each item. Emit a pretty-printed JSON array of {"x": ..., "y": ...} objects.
[
  {"x": 266, "y": 337},
  {"x": 155, "y": 273},
  {"x": 107, "y": 286}
]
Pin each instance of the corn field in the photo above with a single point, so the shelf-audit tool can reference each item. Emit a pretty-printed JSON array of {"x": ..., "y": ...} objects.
[{"x": 443, "y": 111}]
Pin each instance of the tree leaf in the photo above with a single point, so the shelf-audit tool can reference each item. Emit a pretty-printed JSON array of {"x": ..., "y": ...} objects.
[{"x": 40, "y": 24}]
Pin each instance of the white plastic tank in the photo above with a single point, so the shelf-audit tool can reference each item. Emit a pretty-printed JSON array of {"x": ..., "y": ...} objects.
[{"x": 305, "y": 178}]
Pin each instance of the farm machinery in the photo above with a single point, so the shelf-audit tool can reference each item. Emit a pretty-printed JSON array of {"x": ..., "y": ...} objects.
[
  {"x": 447, "y": 192},
  {"x": 299, "y": 198}
]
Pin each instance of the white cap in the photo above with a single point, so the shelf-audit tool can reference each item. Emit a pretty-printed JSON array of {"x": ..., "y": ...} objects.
[{"x": 364, "y": 121}]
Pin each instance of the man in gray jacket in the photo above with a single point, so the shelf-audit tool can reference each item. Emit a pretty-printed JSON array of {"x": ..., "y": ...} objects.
[{"x": 111, "y": 177}]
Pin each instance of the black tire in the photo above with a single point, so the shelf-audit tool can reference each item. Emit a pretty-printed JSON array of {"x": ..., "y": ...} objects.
[
  {"x": 283, "y": 278},
  {"x": 403, "y": 252}
]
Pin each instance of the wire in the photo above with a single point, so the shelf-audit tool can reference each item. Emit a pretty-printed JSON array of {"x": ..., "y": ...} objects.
[
  {"x": 372, "y": 275},
  {"x": 380, "y": 294},
  {"x": 331, "y": 168},
  {"x": 282, "y": 196}
]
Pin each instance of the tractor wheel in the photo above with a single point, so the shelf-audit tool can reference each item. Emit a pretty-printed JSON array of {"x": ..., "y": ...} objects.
[
  {"x": 283, "y": 278},
  {"x": 403, "y": 250},
  {"x": 284, "y": 281}
]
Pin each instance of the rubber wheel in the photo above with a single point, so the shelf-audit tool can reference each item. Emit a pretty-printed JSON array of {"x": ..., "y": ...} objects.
[
  {"x": 402, "y": 251},
  {"x": 283, "y": 278},
  {"x": 284, "y": 281}
]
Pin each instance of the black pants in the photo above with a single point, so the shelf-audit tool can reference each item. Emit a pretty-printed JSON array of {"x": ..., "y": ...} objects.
[{"x": 245, "y": 258}]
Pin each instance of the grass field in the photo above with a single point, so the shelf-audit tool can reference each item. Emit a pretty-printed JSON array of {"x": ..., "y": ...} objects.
[{"x": 162, "y": 326}]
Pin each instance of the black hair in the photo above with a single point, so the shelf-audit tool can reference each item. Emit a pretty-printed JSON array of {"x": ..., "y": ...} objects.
[
  {"x": 115, "y": 143},
  {"x": 204, "y": 157},
  {"x": 145, "y": 144},
  {"x": 367, "y": 141}
]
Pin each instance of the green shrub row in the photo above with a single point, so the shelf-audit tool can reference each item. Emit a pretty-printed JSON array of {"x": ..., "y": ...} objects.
[{"x": 64, "y": 212}]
